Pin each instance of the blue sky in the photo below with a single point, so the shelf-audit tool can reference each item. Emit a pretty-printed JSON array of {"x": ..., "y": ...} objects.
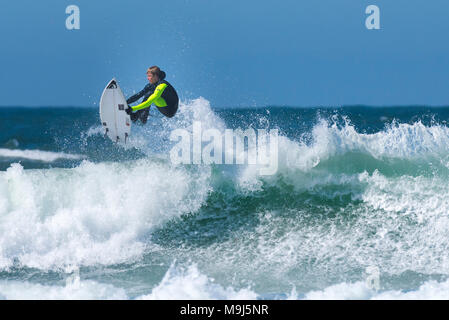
[{"x": 233, "y": 53}]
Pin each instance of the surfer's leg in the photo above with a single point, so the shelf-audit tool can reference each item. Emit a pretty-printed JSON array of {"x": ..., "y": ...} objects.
[
  {"x": 169, "y": 111},
  {"x": 134, "y": 116},
  {"x": 143, "y": 116}
]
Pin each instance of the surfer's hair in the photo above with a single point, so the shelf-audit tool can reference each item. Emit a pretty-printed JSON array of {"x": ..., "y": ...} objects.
[{"x": 155, "y": 70}]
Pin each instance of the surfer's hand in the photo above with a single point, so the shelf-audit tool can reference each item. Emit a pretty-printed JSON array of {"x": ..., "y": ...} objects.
[{"x": 129, "y": 110}]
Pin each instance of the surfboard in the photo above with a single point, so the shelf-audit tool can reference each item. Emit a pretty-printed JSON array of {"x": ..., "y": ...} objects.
[{"x": 115, "y": 121}]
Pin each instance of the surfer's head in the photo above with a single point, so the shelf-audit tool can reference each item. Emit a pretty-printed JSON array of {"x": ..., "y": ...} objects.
[{"x": 154, "y": 74}]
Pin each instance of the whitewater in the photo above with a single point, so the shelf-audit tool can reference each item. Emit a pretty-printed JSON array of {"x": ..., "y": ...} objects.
[{"x": 356, "y": 188}]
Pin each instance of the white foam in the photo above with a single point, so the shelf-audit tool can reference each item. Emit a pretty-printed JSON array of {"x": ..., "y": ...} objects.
[
  {"x": 411, "y": 221},
  {"x": 400, "y": 224},
  {"x": 397, "y": 224},
  {"x": 179, "y": 283},
  {"x": 398, "y": 141},
  {"x": 100, "y": 213},
  {"x": 402, "y": 141},
  {"x": 342, "y": 291},
  {"x": 91, "y": 214},
  {"x": 78, "y": 290},
  {"x": 38, "y": 155},
  {"x": 92, "y": 131},
  {"x": 430, "y": 290},
  {"x": 154, "y": 136},
  {"x": 189, "y": 284}
]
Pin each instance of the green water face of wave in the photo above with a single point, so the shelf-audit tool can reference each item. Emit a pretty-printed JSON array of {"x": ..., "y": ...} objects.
[{"x": 321, "y": 227}]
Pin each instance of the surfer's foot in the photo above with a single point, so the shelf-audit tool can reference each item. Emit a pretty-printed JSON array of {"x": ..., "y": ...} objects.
[
  {"x": 143, "y": 116},
  {"x": 134, "y": 117}
]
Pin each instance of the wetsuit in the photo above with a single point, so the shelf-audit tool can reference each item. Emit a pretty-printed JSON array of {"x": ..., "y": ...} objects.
[{"x": 162, "y": 94}]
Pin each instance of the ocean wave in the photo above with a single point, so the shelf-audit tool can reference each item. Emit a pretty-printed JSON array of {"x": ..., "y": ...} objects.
[
  {"x": 397, "y": 141},
  {"x": 430, "y": 290},
  {"x": 179, "y": 283},
  {"x": 75, "y": 290},
  {"x": 38, "y": 155},
  {"x": 191, "y": 284},
  {"x": 341, "y": 200},
  {"x": 333, "y": 149},
  {"x": 332, "y": 144},
  {"x": 332, "y": 230},
  {"x": 91, "y": 214}
]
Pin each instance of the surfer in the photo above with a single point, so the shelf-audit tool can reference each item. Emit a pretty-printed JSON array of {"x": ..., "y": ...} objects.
[{"x": 158, "y": 91}]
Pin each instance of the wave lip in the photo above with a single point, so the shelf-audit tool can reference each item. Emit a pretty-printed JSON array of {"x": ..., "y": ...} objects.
[{"x": 38, "y": 155}]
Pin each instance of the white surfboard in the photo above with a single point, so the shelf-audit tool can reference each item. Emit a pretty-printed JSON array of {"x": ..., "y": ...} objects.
[{"x": 116, "y": 122}]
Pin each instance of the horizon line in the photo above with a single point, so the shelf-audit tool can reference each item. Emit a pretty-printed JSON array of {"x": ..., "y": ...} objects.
[{"x": 253, "y": 107}]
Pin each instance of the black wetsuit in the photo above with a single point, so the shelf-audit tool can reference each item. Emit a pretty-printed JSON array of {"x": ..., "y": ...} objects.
[{"x": 162, "y": 94}]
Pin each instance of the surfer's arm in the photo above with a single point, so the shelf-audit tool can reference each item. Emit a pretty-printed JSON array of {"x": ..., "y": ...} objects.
[
  {"x": 138, "y": 95},
  {"x": 155, "y": 95}
]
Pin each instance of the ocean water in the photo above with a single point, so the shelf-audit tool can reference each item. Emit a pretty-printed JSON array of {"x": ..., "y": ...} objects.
[{"x": 357, "y": 189}]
